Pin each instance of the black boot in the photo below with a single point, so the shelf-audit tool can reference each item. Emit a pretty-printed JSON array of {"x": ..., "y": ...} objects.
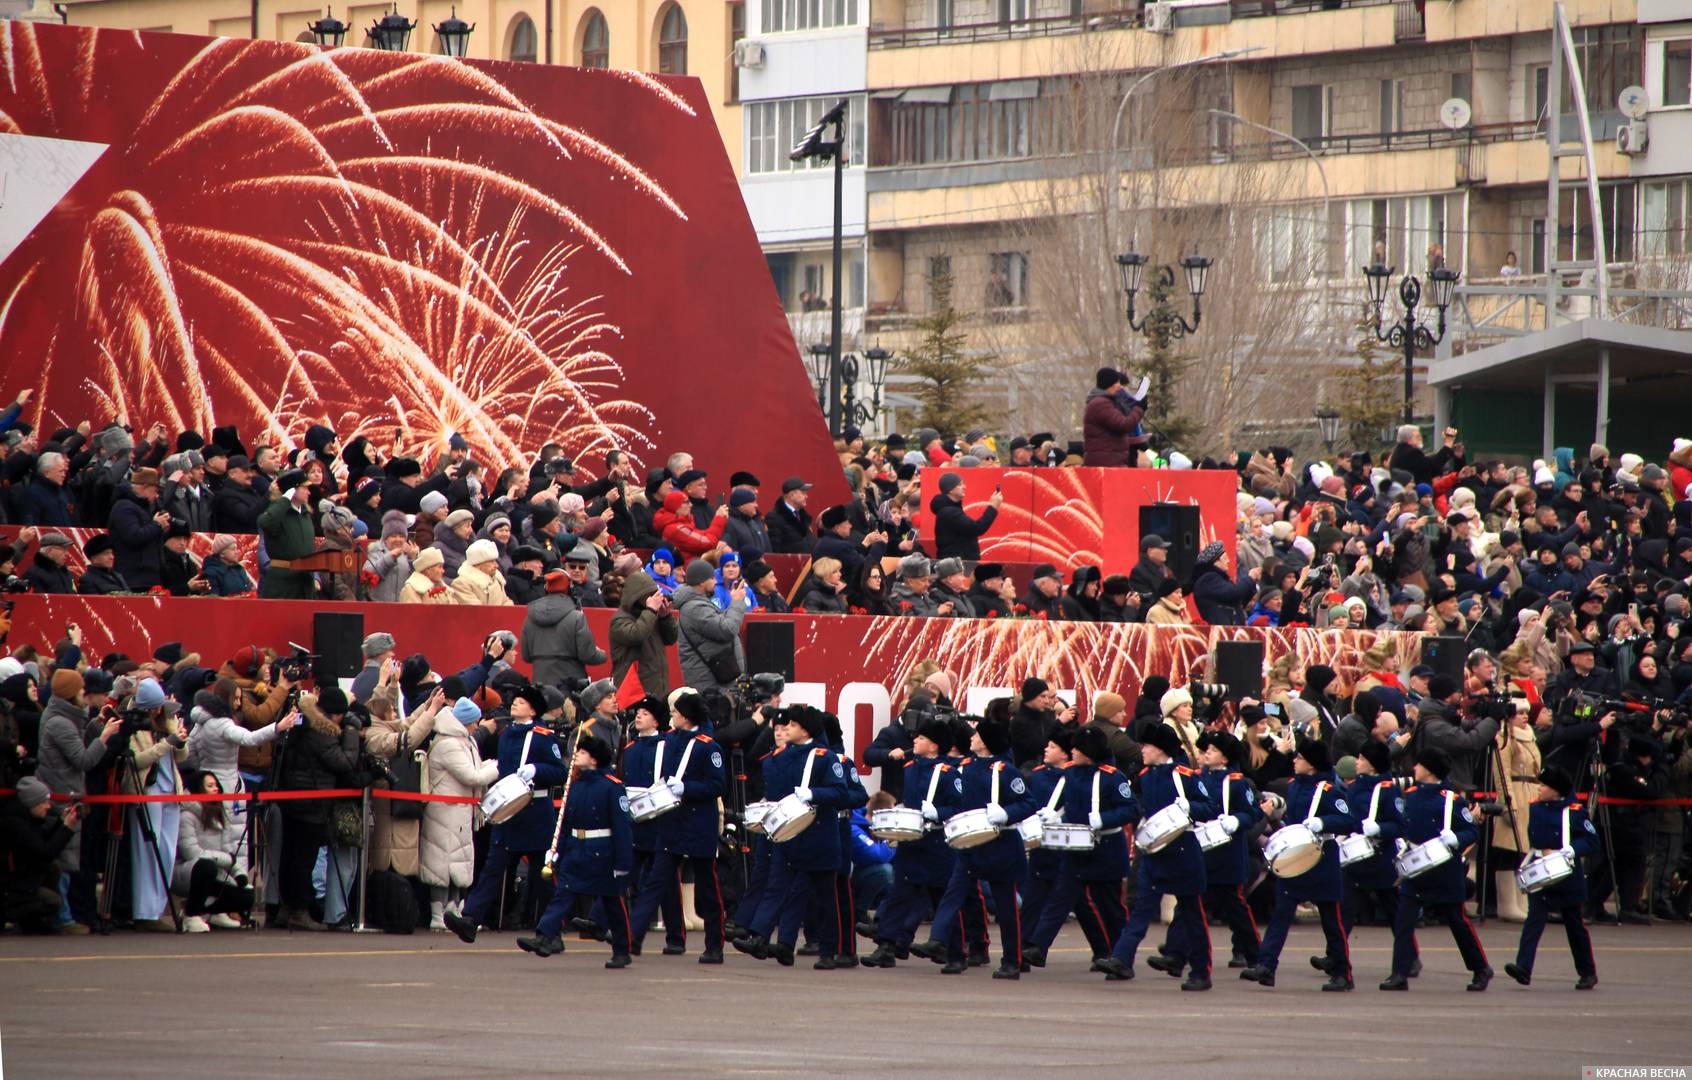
[
  {"x": 1478, "y": 983},
  {"x": 1238, "y": 961},
  {"x": 1166, "y": 964},
  {"x": 1196, "y": 982},
  {"x": 618, "y": 960},
  {"x": 752, "y": 945},
  {"x": 930, "y": 950},
  {"x": 1395, "y": 981},
  {"x": 1262, "y": 976},
  {"x": 1114, "y": 970},
  {"x": 1520, "y": 974},
  {"x": 589, "y": 929},
  {"x": 980, "y": 958},
  {"x": 1322, "y": 964},
  {"x": 711, "y": 956},
  {"x": 1008, "y": 971},
  {"x": 1034, "y": 956},
  {"x": 1338, "y": 983},
  {"x": 783, "y": 954},
  {"x": 824, "y": 963},
  {"x": 458, "y": 924},
  {"x": 955, "y": 967},
  {"x": 1587, "y": 982},
  {"x": 541, "y": 945}
]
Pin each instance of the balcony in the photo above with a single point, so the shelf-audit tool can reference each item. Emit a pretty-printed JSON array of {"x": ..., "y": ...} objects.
[
  {"x": 999, "y": 30},
  {"x": 1409, "y": 21}
]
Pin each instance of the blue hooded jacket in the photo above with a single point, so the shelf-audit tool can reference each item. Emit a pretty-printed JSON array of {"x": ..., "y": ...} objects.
[{"x": 666, "y": 582}]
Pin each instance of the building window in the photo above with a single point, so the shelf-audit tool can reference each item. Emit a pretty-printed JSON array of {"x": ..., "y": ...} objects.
[
  {"x": 773, "y": 127},
  {"x": 737, "y": 34},
  {"x": 1392, "y": 106},
  {"x": 1667, "y": 211},
  {"x": 780, "y": 15},
  {"x": 934, "y": 125},
  {"x": 1007, "y": 279},
  {"x": 1677, "y": 73},
  {"x": 596, "y": 40},
  {"x": 1574, "y": 225},
  {"x": 1013, "y": 11},
  {"x": 1312, "y": 113},
  {"x": 524, "y": 47},
  {"x": 672, "y": 42},
  {"x": 1609, "y": 63},
  {"x": 1462, "y": 86},
  {"x": 1536, "y": 242},
  {"x": 1538, "y": 84}
]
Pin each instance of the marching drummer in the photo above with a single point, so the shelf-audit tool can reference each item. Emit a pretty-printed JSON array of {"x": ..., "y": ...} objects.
[
  {"x": 1045, "y": 784},
  {"x": 1375, "y": 799},
  {"x": 529, "y": 750},
  {"x": 988, "y": 782},
  {"x": 1558, "y": 825},
  {"x": 1176, "y": 868},
  {"x": 1226, "y": 867},
  {"x": 598, "y": 853},
  {"x": 922, "y": 867},
  {"x": 1435, "y": 814},
  {"x": 803, "y": 865},
  {"x": 1099, "y": 797},
  {"x": 1313, "y": 801},
  {"x": 643, "y": 762}
]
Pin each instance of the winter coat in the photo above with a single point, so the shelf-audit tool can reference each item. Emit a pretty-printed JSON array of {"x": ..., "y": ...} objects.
[
  {"x": 395, "y": 843},
  {"x": 227, "y": 578},
  {"x": 317, "y": 754},
  {"x": 448, "y": 854},
  {"x": 680, "y": 533},
  {"x": 640, "y": 636},
  {"x": 1220, "y": 601},
  {"x": 216, "y": 739},
  {"x": 31, "y": 845},
  {"x": 820, "y": 599},
  {"x": 789, "y": 529},
  {"x": 474, "y": 586},
  {"x": 64, "y": 757},
  {"x": 452, "y": 548},
  {"x": 905, "y": 600},
  {"x": 704, "y": 631},
  {"x": 745, "y": 534},
  {"x": 236, "y": 507},
  {"x": 1519, "y": 751},
  {"x": 1110, "y": 428},
  {"x": 418, "y": 589},
  {"x": 47, "y": 577},
  {"x": 46, "y": 504},
  {"x": 199, "y": 838},
  {"x": 189, "y": 504},
  {"x": 956, "y": 534},
  {"x": 557, "y": 641},
  {"x": 1168, "y": 612},
  {"x": 391, "y": 569},
  {"x": 98, "y": 581},
  {"x": 151, "y": 751}
]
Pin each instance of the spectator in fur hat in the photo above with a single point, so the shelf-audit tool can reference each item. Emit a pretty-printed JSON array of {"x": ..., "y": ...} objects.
[{"x": 101, "y": 578}]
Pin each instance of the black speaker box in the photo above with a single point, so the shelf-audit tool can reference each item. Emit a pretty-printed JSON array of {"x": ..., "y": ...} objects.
[
  {"x": 1177, "y": 523},
  {"x": 1445, "y": 654},
  {"x": 1240, "y": 665},
  {"x": 337, "y": 638},
  {"x": 769, "y": 647}
]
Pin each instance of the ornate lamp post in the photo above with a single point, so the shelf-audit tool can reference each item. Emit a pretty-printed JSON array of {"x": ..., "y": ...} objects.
[
  {"x": 1407, "y": 333},
  {"x": 1164, "y": 322}
]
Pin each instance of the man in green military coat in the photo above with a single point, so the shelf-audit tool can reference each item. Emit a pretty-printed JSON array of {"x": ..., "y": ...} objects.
[{"x": 288, "y": 534}]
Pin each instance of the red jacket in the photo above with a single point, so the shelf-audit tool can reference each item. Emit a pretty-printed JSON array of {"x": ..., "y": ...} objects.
[
  {"x": 1109, "y": 434},
  {"x": 675, "y": 525}
]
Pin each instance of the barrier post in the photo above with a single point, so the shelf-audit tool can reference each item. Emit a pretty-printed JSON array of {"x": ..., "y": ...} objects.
[{"x": 363, "y": 862}]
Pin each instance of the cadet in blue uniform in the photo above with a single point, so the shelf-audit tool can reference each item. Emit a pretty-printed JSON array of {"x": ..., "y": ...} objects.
[
  {"x": 921, "y": 868},
  {"x": 1315, "y": 801},
  {"x": 1176, "y": 869},
  {"x": 1375, "y": 799},
  {"x": 1557, "y": 822},
  {"x": 1045, "y": 786},
  {"x": 845, "y": 904},
  {"x": 645, "y": 757},
  {"x": 598, "y": 853},
  {"x": 802, "y": 868},
  {"x": 1098, "y": 796},
  {"x": 1435, "y": 811},
  {"x": 531, "y": 751},
  {"x": 989, "y": 781},
  {"x": 694, "y": 769},
  {"x": 1226, "y": 867}
]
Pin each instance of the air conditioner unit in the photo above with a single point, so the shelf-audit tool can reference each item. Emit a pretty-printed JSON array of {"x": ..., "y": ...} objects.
[
  {"x": 1632, "y": 137},
  {"x": 749, "y": 54},
  {"x": 1160, "y": 19}
]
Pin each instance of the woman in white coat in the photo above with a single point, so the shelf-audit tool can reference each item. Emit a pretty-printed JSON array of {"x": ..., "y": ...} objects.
[
  {"x": 455, "y": 768},
  {"x": 216, "y": 739},
  {"x": 211, "y": 859}
]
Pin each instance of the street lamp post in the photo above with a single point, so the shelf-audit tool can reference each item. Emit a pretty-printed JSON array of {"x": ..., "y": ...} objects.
[
  {"x": 329, "y": 31},
  {"x": 820, "y": 362},
  {"x": 392, "y": 33},
  {"x": 813, "y": 145},
  {"x": 1328, "y": 423},
  {"x": 852, "y": 411},
  {"x": 1408, "y": 334},
  {"x": 455, "y": 35},
  {"x": 1163, "y": 322}
]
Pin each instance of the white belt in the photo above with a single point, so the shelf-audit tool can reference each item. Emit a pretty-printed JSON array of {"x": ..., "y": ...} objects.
[
  {"x": 590, "y": 834},
  {"x": 1110, "y": 832},
  {"x": 845, "y": 815}
]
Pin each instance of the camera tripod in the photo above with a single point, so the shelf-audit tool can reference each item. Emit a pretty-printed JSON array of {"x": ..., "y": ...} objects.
[
  {"x": 1499, "y": 782},
  {"x": 126, "y": 768}
]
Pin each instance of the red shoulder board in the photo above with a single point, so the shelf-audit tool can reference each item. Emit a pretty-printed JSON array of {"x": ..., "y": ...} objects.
[
  {"x": 1577, "y": 806},
  {"x": 702, "y": 737},
  {"x": 910, "y": 762},
  {"x": 820, "y": 751},
  {"x": 945, "y": 767},
  {"x": 1144, "y": 769},
  {"x": 1184, "y": 771},
  {"x": 628, "y": 744},
  {"x": 998, "y": 766},
  {"x": 1040, "y": 768},
  {"x": 1107, "y": 768},
  {"x": 542, "y": 731},
  {"x": 772, "y": 753},
  {"x": 613, "y": 779},
  {"x": 1236, "y": 776}
]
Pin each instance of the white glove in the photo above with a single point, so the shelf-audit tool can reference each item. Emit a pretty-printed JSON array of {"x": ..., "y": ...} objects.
[
  {"x": 1095, "y": 820},
  {"x": 1048, "y": 816},
  {"x": 804, "y": 794},
  {"x": 619, "y": 873},
  {"x": 675, "y": 785},
  {"x": 1567, "y": 852},
  {"x": 929, "y": 813},
  {"x": 527, "y": 772},
  {"x": 1230, "y": 824},
  {"x": 1316, "y": 826},
  {"x": 1449, "y": 839},
  {"x": 996, "y": 814},
  {"x": 1370, "y": 828}
]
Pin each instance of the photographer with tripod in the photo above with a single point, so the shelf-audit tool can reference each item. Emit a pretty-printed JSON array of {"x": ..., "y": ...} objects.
[
  {"x": 321, "y": 753},
  {"x": 150, "y": 764}
]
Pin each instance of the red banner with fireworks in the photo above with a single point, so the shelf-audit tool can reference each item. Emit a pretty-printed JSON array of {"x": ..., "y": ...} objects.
[{"x": 211, "y": 231}]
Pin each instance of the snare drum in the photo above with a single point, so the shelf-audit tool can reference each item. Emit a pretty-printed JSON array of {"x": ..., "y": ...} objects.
[
  {"x": 1418, "y": 859},
  {"x": 900, "y": 823},
  {"x": 755, "y": 813},
  {"x": 1545, "y": 870},
  {"x": 970, "y": 829},
  {"x": 788, "y": 818},
  {"x": 1292, "y": 851},
  {"x": 1162, "y": 828},
  {"x": 1211, "y": 834},
  {"x": 648, "y": 803},
  {"x": 507, "y": 798},
  {"x": 1070, "y": 838},
  {"x": 1357, "y": 848},
  {"x": 1032, "y": 832}
]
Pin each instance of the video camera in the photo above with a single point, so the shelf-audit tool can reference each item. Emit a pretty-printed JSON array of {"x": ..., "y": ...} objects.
[
  {"x": 1499, "y": 707},
  {"x": 1208, "y": 691},
  {"x": 296, "y": 667},
  {"x": 1637, "y": 713},
  {"x": 759, "y": 689}
]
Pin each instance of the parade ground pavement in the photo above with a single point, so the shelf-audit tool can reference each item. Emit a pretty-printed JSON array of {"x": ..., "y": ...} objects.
[{"x": 296, "y": 1005}]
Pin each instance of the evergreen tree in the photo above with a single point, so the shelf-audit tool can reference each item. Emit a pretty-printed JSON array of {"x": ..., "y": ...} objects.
[
  {"x": 1368, "y": 399},
  {"x": 949, "y": 372},
  {"x": 1164, "y": 365}
]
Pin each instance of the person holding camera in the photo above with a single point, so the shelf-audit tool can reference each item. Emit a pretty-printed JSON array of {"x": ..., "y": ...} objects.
[
  {"x": 455, "y": 768},
  {"x": 711, "y": 656},
  {"x": 556, "y": 638},
  {"x": 32, "y": 837},
  {"x": 65, "y": 757},
  {"x": 321, "y": 753},
  {"x": 1464, "y": 742},
  {"x": 157, "y": 748},
  {"x": 642, "y": 631}
]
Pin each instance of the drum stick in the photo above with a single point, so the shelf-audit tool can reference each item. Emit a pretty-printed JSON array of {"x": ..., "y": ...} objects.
[{"x": 564, "y": 800}]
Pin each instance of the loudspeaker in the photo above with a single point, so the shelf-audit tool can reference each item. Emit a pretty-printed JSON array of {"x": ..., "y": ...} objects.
[
  {"x": 1240, "y": 665},
  {"x": 1445, "y": 654},
  {"x": 769, "y": 647},
  {"x": 337, "y": 638},
  {"x": 1177, "y": 523}
]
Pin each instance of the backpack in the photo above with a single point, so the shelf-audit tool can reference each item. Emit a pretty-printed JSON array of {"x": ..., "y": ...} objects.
[{"x": 393, "y": 904}]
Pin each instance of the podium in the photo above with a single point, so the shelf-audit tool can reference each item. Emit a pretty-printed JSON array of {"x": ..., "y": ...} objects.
[{"x": 328, "y": 560}]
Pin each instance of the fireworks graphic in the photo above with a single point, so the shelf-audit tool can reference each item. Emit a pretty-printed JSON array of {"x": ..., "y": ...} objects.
[{"x": 279, "y": 236}]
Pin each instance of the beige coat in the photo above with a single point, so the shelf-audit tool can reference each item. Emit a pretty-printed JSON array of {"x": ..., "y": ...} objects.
[
  {"x": 1167, "y": 613},
  {"x": 416, "y": 591},
  {"x": 395, "y": 843},
  {"x": 455, "y": 768},
  {"x": 150, "y": 750},
  {"x": 473, "y": 586},
  {"x": 1520, "y": 753}
]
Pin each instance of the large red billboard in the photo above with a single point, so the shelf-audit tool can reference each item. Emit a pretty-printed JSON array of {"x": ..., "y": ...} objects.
[{"x": 212, "y": 231}]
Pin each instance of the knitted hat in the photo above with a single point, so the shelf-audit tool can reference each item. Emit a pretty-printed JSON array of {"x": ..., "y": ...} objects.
[
  {"x": 332, "y": 701},
  {"x": 67, "y": 685},
  {"x": 699, "y": 572},
  {"x": 482, "y": 551},
  {"x": 948, "y": 481},
  {"x": 1033, "y": 688},
  {"x": 32, "y": 792},
  {"x": 432, "y": 503},
  {"x": 1173, "y": 699},
  {"x": 1210, "y": 552},
  {"x": 465, "y": 711},
  {"x": 1107, "y": 705}
]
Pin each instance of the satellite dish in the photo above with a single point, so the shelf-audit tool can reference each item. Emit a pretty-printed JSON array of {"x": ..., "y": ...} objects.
[
  {"x": 1455, "y": 114},
  {"x": 1633, "y": 102}
]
